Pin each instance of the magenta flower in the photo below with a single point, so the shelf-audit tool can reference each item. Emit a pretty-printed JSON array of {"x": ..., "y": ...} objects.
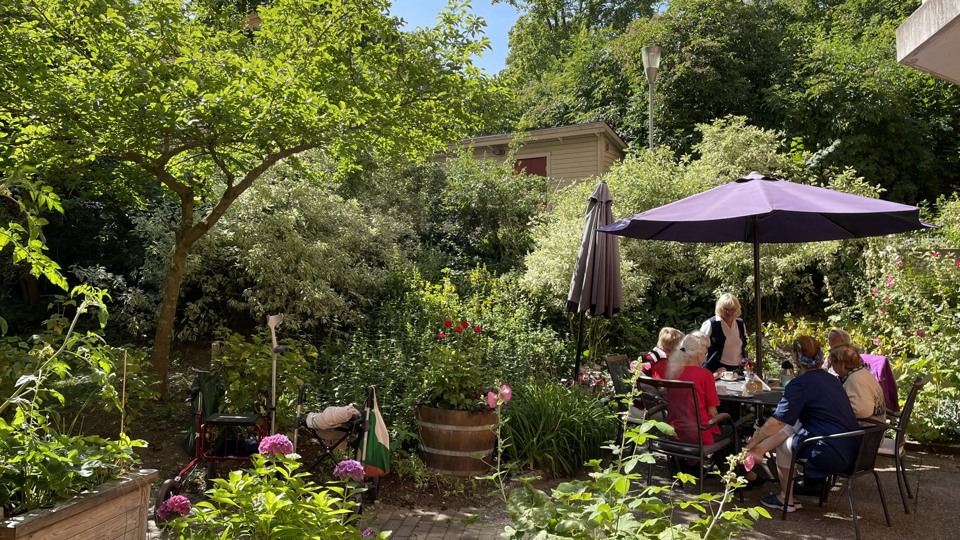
[
  {"x": 886, "y": 299},
  {"x": 749, "y": 462},
  {"x": 921, "y": 334},
  {"x": 958, "y": 262},
  {"x": 874, "y": 292},
  {"x": 459, "y": 329},
  {"x": 178, "y": 504},
  {"x": 492, "y": 400},
  {"x": 368, "y": 532},
  {"x": 275, "y": 444},
  {"x": 876, "y": 342},
  {"x": 441, "y": 335},
  {"x": 476, "y": 329},
  {"x": 448, "y": 323},
  {"x": 883, "y": 312},
  {"x": 890, "y": 281},
  {"x": 464, "y": 324},
  {"x": 934, "y": 254},
  {"x": 899, "y": 263},
  {"x": 506, "y": 393},
  {"x": 349, "y": 468},
  {"x": 633, "y": 365}
]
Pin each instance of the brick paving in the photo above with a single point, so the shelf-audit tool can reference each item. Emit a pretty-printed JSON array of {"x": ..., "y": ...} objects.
[{"x": 416, "y": 524}]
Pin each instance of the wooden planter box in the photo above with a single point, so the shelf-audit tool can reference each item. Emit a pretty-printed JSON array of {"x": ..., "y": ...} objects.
[{"x": 114, "y": 510}]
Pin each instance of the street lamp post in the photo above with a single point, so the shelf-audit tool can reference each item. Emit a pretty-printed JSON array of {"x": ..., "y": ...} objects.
[{"x": 651, "y": 65}]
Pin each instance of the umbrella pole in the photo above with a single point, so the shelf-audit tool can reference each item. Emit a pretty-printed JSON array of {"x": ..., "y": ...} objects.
[
  {"x": 576, "y": 365},
  {"x": 756, "y": 293}
]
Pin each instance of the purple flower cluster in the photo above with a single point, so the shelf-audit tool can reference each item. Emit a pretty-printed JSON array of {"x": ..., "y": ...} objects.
[
  {"x": 178, "y": 504},
  {"x": 368, "y": 532},
  {"x": 349, "y": 468},
  {"x": 275, "y": 444}
]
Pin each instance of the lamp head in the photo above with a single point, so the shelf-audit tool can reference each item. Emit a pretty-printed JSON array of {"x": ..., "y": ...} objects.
[{"x": 651, "y": 62}]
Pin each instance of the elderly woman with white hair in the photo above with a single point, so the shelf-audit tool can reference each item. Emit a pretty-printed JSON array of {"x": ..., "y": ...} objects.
[{"x": 685, "y": 365}]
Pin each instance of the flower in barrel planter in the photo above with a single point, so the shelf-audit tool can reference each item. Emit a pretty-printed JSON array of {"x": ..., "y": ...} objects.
[{"x": 457, "y": 367}]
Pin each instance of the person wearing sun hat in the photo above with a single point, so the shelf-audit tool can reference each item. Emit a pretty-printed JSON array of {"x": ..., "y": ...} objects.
[{"x": 813, "y": 404}]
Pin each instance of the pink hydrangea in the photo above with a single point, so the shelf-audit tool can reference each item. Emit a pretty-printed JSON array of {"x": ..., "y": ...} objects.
[
  {"x": 178, "y": 504},
  {"x": 275, "y": 444},
  {"x": 349, "y": 468}
]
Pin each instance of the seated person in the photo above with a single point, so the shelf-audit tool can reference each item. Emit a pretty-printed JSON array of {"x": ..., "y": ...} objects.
[
  {"x": 727, "y": 335},
  {"x": 866, "y": 396},
  {"x": 816, "y": 399},
  {"x": 836, "y": 337},
  {"x": 655, "y": 362},
  {"x": 685, "y": 365},
  {"x": 654, "y": 365}
]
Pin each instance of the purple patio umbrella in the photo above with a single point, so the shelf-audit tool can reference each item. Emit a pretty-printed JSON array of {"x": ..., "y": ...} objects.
[
  {"x": 757, "y": 209},
  {"x": 595, "y": 285}
]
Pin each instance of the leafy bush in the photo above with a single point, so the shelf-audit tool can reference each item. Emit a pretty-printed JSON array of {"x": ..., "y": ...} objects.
[
  {"x": 615, "y": 503},
  {"x": 271, "y": 500},
  {"x": 43, "y": 462},
  {"x": 556, "y": 428}
]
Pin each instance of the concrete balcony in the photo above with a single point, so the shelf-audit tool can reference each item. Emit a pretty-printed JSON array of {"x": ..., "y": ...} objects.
[{"x": 929, "y": 40}]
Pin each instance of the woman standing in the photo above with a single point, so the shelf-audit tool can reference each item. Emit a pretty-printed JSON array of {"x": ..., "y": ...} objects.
[{"x": 727, "y": 335}]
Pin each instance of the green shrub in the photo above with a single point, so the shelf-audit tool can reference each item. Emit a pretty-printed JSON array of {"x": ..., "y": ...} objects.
[
  {"x": 556, "y": 428},
  {"x": 271, "y": 500},
  {"x": 615, "y": 503},
  {"x": 43, "y": 461}
]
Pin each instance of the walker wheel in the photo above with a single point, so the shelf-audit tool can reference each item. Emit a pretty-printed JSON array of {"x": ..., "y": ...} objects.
[{"x": 168, "y": 489}]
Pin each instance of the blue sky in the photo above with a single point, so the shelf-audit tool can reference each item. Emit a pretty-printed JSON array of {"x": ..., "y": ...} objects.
[{"x": 499, "y": 17}]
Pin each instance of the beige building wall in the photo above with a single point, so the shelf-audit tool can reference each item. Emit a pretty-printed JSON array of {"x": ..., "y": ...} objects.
[{"x": 573, "y": 153}]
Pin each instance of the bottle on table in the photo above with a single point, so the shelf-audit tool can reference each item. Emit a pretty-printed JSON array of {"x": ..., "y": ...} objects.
[{"x": 752, "y": 383}]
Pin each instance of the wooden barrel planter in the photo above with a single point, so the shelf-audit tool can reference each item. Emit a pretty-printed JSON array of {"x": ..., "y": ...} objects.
[
  {"x": 115, "y": 510},
  {"x": 453, "y": 442}
]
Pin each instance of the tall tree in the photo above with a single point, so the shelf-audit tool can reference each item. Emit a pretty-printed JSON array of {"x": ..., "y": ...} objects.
[{"x": 204, "y": 98}]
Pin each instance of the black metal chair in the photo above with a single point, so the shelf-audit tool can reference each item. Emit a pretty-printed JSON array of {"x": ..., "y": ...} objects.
[
  {"x": 684, "y": 450},
  {"x": 893, "y": 447},
  {"x": 864, "y": 464},
  {"x": 623, "y": 386}
]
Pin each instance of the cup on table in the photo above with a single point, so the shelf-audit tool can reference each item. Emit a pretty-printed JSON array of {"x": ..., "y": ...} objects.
[{"x": 729, "y": 375}]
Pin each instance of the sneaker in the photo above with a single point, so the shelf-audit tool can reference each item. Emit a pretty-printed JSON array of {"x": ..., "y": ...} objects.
[{"x": 773, "y": 501}]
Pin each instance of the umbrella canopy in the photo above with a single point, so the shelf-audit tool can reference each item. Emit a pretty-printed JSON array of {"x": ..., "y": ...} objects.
[
  {"x": 595, "y": 286},
  {"x": 757, "y": 209}
]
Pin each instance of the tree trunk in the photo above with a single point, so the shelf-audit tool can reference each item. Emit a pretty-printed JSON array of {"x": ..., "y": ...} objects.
[{"x": 163, "y": 338}]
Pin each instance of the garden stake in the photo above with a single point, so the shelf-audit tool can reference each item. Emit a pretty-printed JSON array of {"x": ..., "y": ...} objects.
[{"x": 272, "y": 322}]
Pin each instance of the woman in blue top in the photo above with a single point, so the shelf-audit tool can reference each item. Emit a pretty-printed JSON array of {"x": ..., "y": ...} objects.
[{"x": 813, "y": 404}]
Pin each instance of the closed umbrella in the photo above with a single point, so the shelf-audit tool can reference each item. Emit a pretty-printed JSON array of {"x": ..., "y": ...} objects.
[
  {"x": 595, "y": 285},
  {"x": 757, "y": 209}
]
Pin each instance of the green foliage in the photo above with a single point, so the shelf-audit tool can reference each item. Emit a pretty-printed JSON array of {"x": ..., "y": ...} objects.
[
  {"x": 615, "y": 503},
  {"x": 676, "y": 284},
  {"x": 555, "y": 428},
  {"x": 271, "y": 499},
  {"x": 245, "y": 364},
  {"x": 43, "y": 461}
]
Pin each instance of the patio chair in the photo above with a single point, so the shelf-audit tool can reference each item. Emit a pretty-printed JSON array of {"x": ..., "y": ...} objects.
[
  {"x": 622, "y": 379},
  {"x": 694, "y": 450},
  {"x": 864, "y": 464},
  {"x": 893, "y": 447}
]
